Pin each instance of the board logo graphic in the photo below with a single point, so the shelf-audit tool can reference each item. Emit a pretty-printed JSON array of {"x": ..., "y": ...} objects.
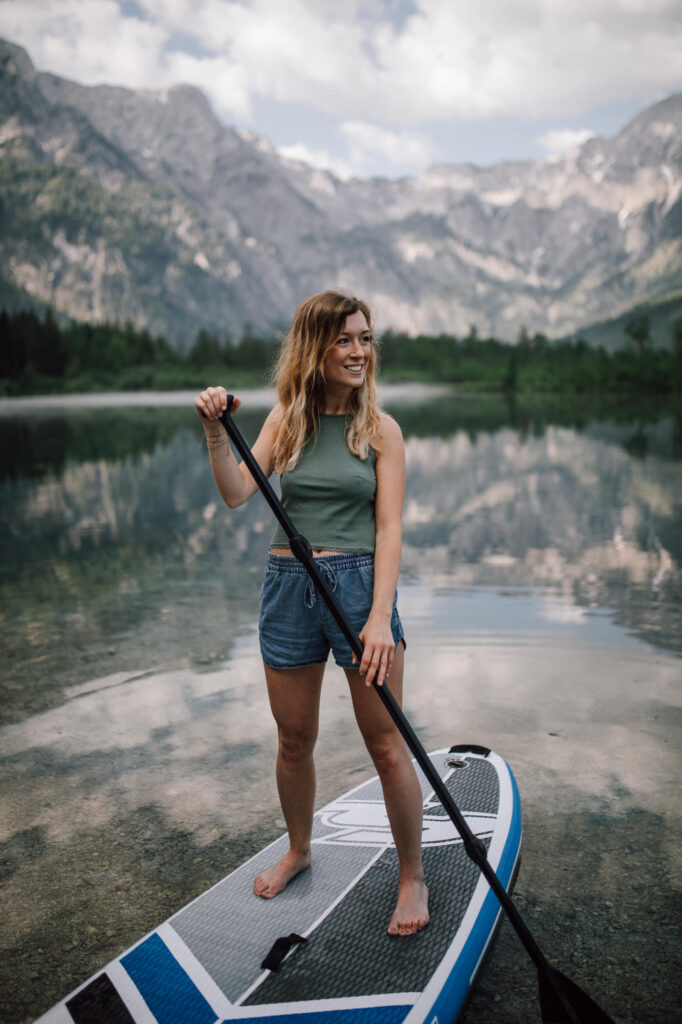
[{"x": 365, "y": 823}]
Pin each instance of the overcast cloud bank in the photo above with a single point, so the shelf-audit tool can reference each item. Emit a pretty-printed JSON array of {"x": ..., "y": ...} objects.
[{"x": 374, "y": 85}]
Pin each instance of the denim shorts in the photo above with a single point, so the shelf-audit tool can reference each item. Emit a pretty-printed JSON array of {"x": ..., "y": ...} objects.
[{"x": 297, "y": 628}]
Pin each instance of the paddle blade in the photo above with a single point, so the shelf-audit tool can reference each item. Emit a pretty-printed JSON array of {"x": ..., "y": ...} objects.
[{"x": 583, "y": 1009}]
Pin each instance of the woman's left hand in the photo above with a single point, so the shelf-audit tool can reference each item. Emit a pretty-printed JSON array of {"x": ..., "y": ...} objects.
[{"x": 379, "y": 647}]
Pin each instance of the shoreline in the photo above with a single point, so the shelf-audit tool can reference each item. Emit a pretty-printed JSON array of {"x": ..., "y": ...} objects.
[{"x": 256, "y": 397}]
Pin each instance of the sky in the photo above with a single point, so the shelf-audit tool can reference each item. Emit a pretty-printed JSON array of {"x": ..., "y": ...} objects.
[{"x": 377, "y": 87}]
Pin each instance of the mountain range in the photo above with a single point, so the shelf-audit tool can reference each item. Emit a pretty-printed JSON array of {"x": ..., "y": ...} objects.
[{"x": 141, "y": 205}]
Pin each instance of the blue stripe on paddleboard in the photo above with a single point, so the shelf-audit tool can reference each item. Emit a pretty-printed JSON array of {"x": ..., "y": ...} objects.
[
  {"x": 451, "y": 997},
  {"x": 362, "y": 1015},
  {"x": 167, "y": 990}
]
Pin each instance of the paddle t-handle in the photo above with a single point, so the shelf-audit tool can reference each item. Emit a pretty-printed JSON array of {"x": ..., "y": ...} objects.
[{"x": 561, "y": 1000}]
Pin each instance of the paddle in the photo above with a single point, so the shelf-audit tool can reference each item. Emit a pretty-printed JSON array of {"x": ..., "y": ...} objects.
[{"x": 561, "y": 1000}]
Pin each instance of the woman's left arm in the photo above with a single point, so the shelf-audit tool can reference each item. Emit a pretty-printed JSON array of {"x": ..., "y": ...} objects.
[{"x": 376, "y": 634}]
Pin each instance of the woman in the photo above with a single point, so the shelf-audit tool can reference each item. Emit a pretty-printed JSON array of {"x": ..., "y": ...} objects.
[{"x": 342, "y": 466}]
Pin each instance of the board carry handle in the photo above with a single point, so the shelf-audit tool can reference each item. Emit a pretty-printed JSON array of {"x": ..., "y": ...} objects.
[
  {"x": 561, "y": 1000},
  {"x": 279, "y": 950}
]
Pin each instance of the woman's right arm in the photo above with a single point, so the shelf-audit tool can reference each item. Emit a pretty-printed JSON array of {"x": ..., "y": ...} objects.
[{"x": 234, "y": 481}]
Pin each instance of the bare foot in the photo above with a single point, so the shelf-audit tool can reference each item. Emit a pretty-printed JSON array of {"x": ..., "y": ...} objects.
[
  {"x": 276, "y": 878},
  {"x": 411, "y": 912}
]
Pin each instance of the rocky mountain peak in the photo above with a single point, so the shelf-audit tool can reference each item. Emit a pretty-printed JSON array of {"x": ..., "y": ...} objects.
[
  {"x": 181, "y": 222},
  {"x": 14, "y": 60}
]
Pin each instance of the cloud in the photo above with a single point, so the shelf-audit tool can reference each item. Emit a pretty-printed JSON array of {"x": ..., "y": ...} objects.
[
  {"x": 433, "y": 61},
  {"x": 443, "y": 60},
  {"x": 96, "y": 42},
  {"x": 320, "y": 158},
  {"x": 560, "y": 140},
  {"x": 542, "y": 57},
  {"x": 367, "y": 142},
  {"x": 368, "y": 147},
  {"x": 90, "y": 42},
  {"x": 223, "y": 82}
]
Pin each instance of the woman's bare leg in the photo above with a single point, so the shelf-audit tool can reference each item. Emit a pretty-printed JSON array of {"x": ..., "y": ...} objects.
[
  {"x": 402, "y": 795},
  {"x": 295, "y": 702}
]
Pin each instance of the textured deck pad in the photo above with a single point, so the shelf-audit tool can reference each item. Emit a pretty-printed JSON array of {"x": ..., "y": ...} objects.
[
  {"x": 351, "y": 954},
  {"x": 230, "y": 931}
]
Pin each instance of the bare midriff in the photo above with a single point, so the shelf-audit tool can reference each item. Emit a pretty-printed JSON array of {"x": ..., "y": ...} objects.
[{"x": 316, "y": 553}]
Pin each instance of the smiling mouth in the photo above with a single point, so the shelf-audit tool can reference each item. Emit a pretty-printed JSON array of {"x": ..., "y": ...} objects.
[{"x": 354, "y": 367}]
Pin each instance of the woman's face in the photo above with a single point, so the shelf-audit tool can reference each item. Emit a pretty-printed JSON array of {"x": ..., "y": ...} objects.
[{"x": 346, "y": 360}]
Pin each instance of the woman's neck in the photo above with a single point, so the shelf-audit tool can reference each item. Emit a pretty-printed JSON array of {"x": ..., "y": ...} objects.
[
  {"x": 333, "y": 410},
  {"x": 336, "y": 403}
]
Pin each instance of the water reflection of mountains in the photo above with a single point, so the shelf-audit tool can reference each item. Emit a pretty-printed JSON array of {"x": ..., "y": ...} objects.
[
  {"x": 560, "y": 510},
  {"x": 113, "y": 528},
  {"x": 45, "y": 442},
  {"x": 114, "y": 557}
]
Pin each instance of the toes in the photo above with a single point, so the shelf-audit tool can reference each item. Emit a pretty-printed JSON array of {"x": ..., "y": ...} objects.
[
  {"x": 261, "y": 888},
  {"x": 402, "y": 928},
  {"x": 410, "y": 927}
]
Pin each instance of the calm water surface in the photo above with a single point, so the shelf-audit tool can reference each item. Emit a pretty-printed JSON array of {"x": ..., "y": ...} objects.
[{"x": 540, "y": 592}]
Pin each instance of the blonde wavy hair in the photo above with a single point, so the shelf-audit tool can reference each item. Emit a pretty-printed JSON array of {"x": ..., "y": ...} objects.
[{"x": 300, "y": 381}]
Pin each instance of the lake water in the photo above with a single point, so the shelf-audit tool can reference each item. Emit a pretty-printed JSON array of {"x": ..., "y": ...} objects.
[{"x": 540, "y": 592}]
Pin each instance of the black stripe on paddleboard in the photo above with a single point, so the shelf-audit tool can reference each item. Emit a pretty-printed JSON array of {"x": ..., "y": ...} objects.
[{"x": 98, "y": 1002}]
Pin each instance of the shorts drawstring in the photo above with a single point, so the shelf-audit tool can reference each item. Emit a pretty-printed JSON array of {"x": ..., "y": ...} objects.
[{"x": 309, "y": 594}]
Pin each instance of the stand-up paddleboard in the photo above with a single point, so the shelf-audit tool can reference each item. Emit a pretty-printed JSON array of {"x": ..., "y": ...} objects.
[{"x": 318, "y": 953}]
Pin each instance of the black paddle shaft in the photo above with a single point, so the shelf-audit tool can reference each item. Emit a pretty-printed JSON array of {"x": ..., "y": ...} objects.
[{"x": 561, "y": 1000}]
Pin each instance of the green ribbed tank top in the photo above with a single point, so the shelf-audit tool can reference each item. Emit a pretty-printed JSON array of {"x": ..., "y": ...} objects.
[{"x": 330, "y": 492}]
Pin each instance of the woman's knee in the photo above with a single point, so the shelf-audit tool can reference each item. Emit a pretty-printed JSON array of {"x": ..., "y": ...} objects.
[
  {"x": 296, "y": 746},
  {"x": 387, "y": 753}
]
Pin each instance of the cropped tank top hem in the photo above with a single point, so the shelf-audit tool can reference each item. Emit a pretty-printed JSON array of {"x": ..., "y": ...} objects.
[{"x": 341, "y": 548}]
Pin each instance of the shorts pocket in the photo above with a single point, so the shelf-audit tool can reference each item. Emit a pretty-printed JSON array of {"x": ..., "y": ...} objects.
[
  {"x": 269, "y": 592},
  {"x": 267, "y": 578},
  {"x": 355, "y": 593},
  {"x": 365, "y": 576}
]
